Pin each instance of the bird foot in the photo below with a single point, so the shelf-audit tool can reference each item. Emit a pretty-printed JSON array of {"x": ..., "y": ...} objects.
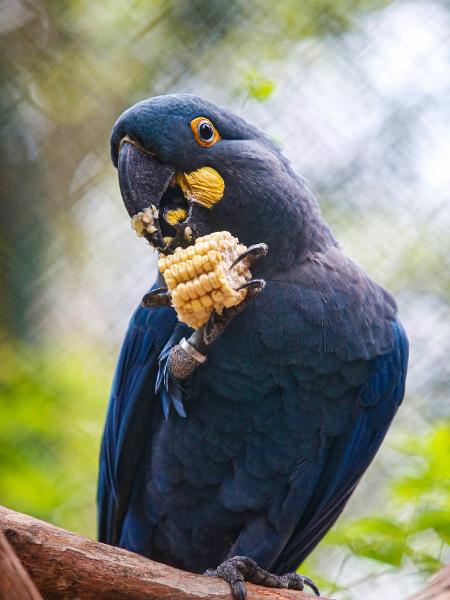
[
  {"x": 239, "y": 569},
  {"x": 217, "y": 323},
  {"x": 158, "y": 297},
  {"x": 186, "y": 356}
]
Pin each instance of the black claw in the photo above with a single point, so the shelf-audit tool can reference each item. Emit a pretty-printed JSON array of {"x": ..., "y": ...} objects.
[
  {"x": 158, "y": 297},
  {"x": 239, "y": 590},
  {"x": 254, "y": 286},
  {"x": 252, "y": 254},
  {"x": 312, "y": 585}
]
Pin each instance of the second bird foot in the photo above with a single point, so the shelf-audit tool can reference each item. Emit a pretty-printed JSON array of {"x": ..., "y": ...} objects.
[
  {"x": 217, "y": 323},
  {"x": 252, "y": 254},
  {"x": 157, "y": 297}
]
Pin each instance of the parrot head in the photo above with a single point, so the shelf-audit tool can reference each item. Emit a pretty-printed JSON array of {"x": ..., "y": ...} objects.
[{"x": 202, "y": 168}]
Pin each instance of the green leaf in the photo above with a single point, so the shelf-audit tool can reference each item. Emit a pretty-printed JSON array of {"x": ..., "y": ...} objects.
[
  {"x": 256, "y": 86},
  {"x": 377, "y": 538},
  {"x": 438, "y": 520}
]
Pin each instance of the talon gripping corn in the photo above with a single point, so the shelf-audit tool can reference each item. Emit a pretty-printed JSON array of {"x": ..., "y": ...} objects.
[{"x": 200, "y": 279}]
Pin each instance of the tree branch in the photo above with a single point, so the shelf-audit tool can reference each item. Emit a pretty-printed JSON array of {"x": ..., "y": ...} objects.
[
  {"x": 15, "y": 583},
  {"x": 64, "y": 565}
]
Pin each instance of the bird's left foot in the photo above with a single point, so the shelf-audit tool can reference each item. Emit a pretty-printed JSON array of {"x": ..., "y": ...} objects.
[
  {"x": 157, "y": 297},
  {"x": 239, "y": 569}
]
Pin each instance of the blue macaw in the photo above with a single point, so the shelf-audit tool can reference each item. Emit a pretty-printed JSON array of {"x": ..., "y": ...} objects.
[{"x": 232, "y": 449}]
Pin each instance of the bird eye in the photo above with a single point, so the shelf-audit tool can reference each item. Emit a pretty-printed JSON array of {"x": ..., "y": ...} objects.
[{"x": 204, "y": 131}]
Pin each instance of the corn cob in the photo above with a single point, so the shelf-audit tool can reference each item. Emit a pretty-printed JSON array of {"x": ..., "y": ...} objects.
[{"x": 200, "y": 279}]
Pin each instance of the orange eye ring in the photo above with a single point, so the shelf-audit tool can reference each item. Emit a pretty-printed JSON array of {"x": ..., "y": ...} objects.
[{"x": 204, "y": 132}]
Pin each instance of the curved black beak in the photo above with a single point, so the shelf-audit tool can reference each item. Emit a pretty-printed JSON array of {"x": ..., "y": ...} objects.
[{"x": 143, "y": 178}]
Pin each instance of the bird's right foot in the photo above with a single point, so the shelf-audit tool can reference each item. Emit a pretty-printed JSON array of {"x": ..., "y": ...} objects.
[{"x": 239, "y": 569}]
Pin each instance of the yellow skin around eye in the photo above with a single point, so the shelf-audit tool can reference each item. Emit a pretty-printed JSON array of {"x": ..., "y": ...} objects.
[{"x": 194, "y": 126}]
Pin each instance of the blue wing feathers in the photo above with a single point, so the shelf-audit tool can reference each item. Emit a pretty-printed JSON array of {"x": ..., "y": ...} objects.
[
  {"x": 129, "y": 414},
  {"x": 348, "y": 458}
]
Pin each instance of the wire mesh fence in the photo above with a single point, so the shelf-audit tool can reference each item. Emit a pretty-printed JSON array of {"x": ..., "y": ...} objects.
[{"x": 356, "y": 93}]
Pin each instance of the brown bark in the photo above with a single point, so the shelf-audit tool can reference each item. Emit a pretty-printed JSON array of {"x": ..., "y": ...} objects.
[
  {"x": 64, "y": 565},
  {"x": 15, "y": 583}
]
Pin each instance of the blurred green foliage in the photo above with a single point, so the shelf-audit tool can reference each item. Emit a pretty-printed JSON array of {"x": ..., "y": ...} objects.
[
  {"x": 397, "y": 532},
  {"x": 69, "y": 68},
  {"x": 412, "y": 528},
  {"x": 52, "y": 404}
]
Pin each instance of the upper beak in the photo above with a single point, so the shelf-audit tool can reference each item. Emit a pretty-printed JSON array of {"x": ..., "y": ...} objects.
[{"x": 143, "y": 178}]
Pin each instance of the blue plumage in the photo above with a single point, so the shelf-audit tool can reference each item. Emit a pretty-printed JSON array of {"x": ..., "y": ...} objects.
[{"x": 258, "y": 451}]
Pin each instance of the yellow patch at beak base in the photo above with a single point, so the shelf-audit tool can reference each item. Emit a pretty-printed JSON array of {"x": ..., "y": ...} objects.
[
  {"x": 204, "y": 186},
  {"x": 176, "y": 215}
]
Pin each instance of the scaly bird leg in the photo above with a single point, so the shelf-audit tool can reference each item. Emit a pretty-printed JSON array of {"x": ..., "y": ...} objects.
[
  {"x": 239, "y": 569},
  {"x": 189, "y": 354},
  {"x": 217, "y": 323}
]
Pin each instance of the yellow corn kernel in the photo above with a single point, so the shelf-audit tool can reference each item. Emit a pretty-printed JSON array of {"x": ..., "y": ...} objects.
[
  {"x": 206, "y": 284},
  {"x": 206, "y": 265},
  {"x": 214, "y": 279},
  {"x": 182, "y": 292},
  {"x": 206, "y": 300},
  {"x": 190, "y": 269},
  {"x": 196, "y": 306},
  {"x": 217, "y": 296},
  {"x": 175, "y": 272},
  {"x": 197, "y": 262},
  {"x": 191, "y": 290},
  {"x": 213, "y": 244},
  {"x": 200, "y": 248},
  {"x": 214, "y": 257},
  {"x": 169, "y": 279},
  {"x": 198, "y": 287},
  {"x": 182, "y": 272}
]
